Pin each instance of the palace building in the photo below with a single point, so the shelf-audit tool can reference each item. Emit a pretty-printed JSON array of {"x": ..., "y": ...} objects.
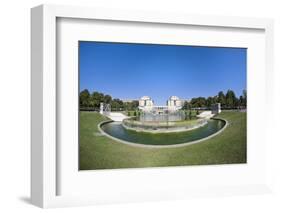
[{"x": 147, "y": 104}]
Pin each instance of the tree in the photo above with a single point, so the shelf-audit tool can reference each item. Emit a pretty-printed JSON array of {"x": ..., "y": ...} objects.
[
  {"x": 198, "y": 102},
  {"x": 245, "y": 98},
  {"x": 117, "y": 104},
  {"x": 230, "y": 99},
  {"x": 84, "y": 98},
  {"x": 135, "y": 105},
  {"x": 221, "y": 98},
  {"x": 241, "y": 101},
  {"x": 185, "y": 115},
  {"x": 186, "y": 105},
  {"x": 190, "y": 114},
  {"x": 96, "y": 99},
  {"x": 210, "y": 101},
  {"x": 131, "y": 106},
  {"x": 107, "y": 99}
]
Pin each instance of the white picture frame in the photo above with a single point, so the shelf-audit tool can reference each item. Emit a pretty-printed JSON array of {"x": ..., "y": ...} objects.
[{"x": 44, "y": 155}]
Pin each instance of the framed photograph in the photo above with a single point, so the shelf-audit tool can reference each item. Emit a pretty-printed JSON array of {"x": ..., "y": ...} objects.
[{"x": 130, "y": 106}]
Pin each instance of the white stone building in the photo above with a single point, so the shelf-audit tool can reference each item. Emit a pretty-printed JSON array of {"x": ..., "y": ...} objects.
[
  {"x": 174, "y": 103},
  {"x": 147, "y": 104}
]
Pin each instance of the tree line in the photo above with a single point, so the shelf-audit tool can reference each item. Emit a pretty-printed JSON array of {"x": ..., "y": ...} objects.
[
  {"x": 91, "y": 101},
  {"x": 228, "y": 100}
]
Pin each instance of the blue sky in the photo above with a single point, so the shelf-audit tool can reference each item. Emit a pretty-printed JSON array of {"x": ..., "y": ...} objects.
[{"x": 129, "y": 71}]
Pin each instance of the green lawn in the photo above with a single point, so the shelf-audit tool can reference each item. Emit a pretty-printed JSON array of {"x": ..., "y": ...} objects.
[{"x": 99, "y": 152}]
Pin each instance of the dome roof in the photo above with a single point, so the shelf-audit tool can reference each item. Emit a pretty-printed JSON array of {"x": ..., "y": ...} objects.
[
  {"x": 174, "y": 98},
  {"x": 145, "y": 98}
]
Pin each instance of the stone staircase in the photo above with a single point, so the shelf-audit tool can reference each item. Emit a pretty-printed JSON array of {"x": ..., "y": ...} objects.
[{"x": 116, "y": 116}]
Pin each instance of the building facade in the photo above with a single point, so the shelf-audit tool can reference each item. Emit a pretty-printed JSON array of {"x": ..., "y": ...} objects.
[{"x": 174, "y": 103}]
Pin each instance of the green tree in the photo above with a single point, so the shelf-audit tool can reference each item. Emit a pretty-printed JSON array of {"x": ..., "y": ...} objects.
[
  {"x": 210, "y": 101},
  {"x": 190, "y": 114},
  {"x": 186, "y": 105},
  {"x": 198, "y": 102},
  {"x": 84, "y": 98},
  {"x": 241, "y": 101},
  {"x": 95, "y": 99},
  {"x": 230, "y": 98},
  {"x": 245, "y": 98},
  {"x": 221, "y": 98},
  {"x": 117, "y": 104},
  {"x": 185, "y": 115},
  {"x": 135, "y": 105},
  {"x": 107, "y": 99}
]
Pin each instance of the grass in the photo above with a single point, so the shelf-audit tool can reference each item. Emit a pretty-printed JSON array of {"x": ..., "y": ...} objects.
[{"x": 100, "y": 152}]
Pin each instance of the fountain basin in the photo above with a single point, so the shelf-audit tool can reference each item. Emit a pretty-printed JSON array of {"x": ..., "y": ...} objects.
[{"x": 117, "y": 132}]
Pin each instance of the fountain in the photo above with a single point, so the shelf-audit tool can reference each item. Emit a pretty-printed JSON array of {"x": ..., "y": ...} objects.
[
  {"x": 169, "y": 118},
  {"x": 163, "y": 125}
]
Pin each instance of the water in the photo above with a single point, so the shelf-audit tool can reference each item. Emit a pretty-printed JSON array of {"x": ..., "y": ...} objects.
[{"x": 116, "y": 130}]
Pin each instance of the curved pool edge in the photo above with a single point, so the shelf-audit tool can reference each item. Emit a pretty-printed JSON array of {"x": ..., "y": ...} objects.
[{"x": 161, "y": 146}]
